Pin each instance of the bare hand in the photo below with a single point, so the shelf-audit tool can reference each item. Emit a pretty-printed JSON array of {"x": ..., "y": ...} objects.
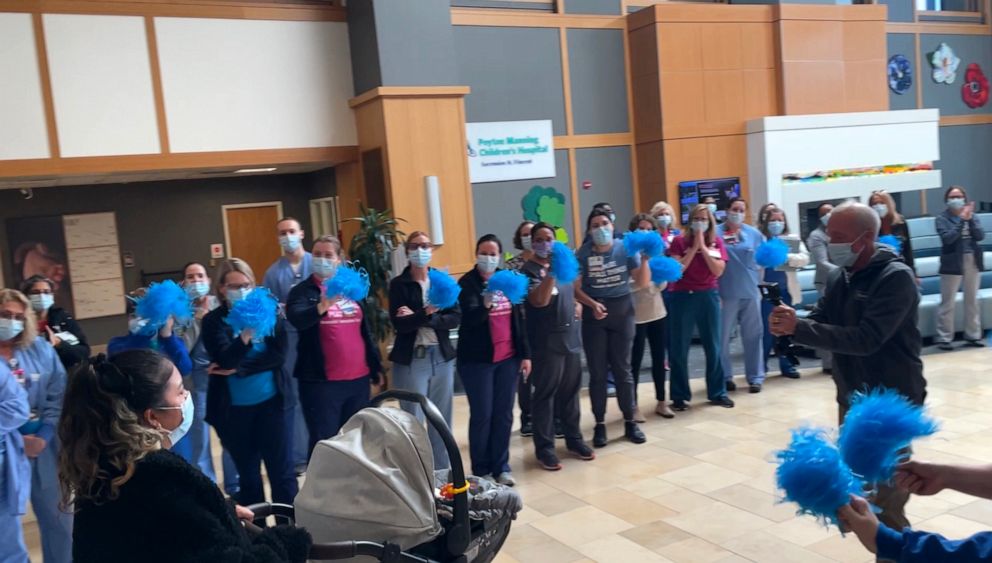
[
  {"x": 578, "y": 310},
  {"x": 33, "y": 446},
  {"x": 487, "y": 300},
  {"x": 214, "y": 369},
  {"x": 599, "y": 311},
  {"x": 525, "y": 368},
  {"x": 166, "y": 330},
  {"x": 243, "y": 513},
  {"x": 326, "y": 303},
  {"x": 247, "y": 335},
  {"x": 430, "y": 310},
  {"x": 968, "y": 211},
  {"x": 922, "y": 479},
  {"x": 54, "y": 340},
  {"x": 782, "y": 321},
  {"x": 404, "y": 311},
  {"x": 699, "y": 240},
  {"x": 858, "y": 517}
]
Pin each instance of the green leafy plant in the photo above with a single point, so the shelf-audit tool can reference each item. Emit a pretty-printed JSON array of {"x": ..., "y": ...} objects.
[{"x": 372, "y": 247}]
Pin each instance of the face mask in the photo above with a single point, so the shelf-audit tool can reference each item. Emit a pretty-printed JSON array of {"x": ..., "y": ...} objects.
[
  {"x": 136, "y": 325},
  {"x": 712, "y": 208},
  {"x": 881, "y": 208},
  {"x": 420, "y": 257},
  {"x": 664, "y": 221},
  {"x": 700, "y": 226},
  {"x": 825, "y": 219},
  {"x": 42, "y": 301},
  {"x": 197, "y": 289},
  {"x": 602, "y": 235},
  {"x": 955, "y": 203},
  {"x": 487, "y": 264},
  {"x": 235, "y": 295},
  {"x": 178, "y": 432},
  {"x": 775, "y": 228},
  {"x": 10, "y": 329},
  {"x": 525, "y": 242},
  {"x": 543, "y": 249},
  {"x": 323, "y": 267},
  {"x": 735, "y": 217},
  {"x": 289, "y": 243},
  {"x": 842, "y": 253}
]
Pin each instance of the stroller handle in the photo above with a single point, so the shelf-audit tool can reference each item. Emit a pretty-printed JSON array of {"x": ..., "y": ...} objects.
[{"x": 459, "y": 535}]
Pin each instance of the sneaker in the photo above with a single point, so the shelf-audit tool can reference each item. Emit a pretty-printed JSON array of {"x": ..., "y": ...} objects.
[
  {"x": 663, "y": 410},
  {"x": 582, "y": 451},
  {"x": 549, "y": 461},
  {"x": 638, "y": 417},
  {"x": 633, "y": 433},
  {"x": 974, "y": 343},
  {"x": 506, "y": 478},
  {"x": 599, "y": 436},
  {"x": 680, "y": 405},
  {"x": 754, "y": 388},
  {"x": 724, "y": 402},
  {"x": 791, "y": 374},
  {"x": 945, "y": 346},
  {"x": 559, "y": 429},
  {"x": 526, "y": 428},
  {"x": 731, "y": 386}
]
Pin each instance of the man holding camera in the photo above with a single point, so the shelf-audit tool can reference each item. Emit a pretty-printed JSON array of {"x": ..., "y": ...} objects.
[{"x": 867, "y": 318}]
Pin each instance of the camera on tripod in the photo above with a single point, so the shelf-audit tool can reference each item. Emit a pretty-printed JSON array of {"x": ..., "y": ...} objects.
[{"x": 783, "y": 344}]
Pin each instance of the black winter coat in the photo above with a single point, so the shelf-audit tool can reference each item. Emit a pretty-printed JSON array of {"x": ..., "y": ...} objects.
[
  {"x": 168, "y": 512},
  {"x": 59, "y": 320},
  {"x": 475, "y": 342},
  {"x": 405, "y": 291}
]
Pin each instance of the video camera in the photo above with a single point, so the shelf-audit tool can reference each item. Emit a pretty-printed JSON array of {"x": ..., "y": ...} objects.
[{"x": 783, "y": 344}]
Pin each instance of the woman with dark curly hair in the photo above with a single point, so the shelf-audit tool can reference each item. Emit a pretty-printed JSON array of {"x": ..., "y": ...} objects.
[{"x": 134, "y": 499}]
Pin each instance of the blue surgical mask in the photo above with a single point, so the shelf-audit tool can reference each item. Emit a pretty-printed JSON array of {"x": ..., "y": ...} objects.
[
  {"x": 420, "y": 257},
  {"x": 955, "y": 203},
  {"x": 323, "y": 267},
  {"x": 825, "y": 219},
  {"x": 289, "y": 243},
  {"x": 775, "y": 228},
  {"x": 700, "y": 226},
  {"x": 235, "y": 295},
  {"x": 197, "y": 289},
  {"x": 735, "y": 217},
  {"x": 664, "y": 220},
  {"x": 602, "y": 235},
  {"x": 543, "y": 249},
  {"x": 487, "y": 264},
  {"x": 41, "y": 302},
  {"x": 10, "y": 329},
  {"x": 881, "y": 208},
  {"x": 180, "y": 431},
  {"x": 712, "y": 207},
  {"x": 525, "y": 242}
]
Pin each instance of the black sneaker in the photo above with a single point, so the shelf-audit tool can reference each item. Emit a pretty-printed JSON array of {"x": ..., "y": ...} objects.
[
  {"x": 633, "y": 433},
  {"x": 549, "y": 461},
  {"x": 791, "y": 374},
  {"x": 974, "y": 343},
  {"x": 526, "y": 428},
  {"x": 559, "y": 429},
  {"x": 582, "y": 451},
  {"x": 680, "y": 405},
  {"x": 731, "y": 386},
  {"x": 724, "y": 402},
  {"x": 945, "y": 346},
  {"x": 599, "y": 436},
  {"x": 754, "y": 388}
]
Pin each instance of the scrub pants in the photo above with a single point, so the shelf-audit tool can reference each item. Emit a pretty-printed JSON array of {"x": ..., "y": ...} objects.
[
  {"x": 490, "y": 389},
  {"x": 557, "y": 378},
  {"x": 258, "y": 433},
  {"x": 433, "y": 377},
  {"x": 691, "y": 309},
  {"x": 327, "y": 405},
  {"x": 607, "y": 343},
  {"x": 949, "y": 285},
  {"x": 746, "y": 313},
  {"x": 652, "y": 334},
  {"x": 12, "y": 548},
  {"x": 54, "y": 524}
]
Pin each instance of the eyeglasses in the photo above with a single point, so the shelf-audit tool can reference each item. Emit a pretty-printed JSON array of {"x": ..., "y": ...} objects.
[
  {"x": 419, "y": 246},
  {"x": 11, "y": 316},
  {"x": 235, "y": 287}
]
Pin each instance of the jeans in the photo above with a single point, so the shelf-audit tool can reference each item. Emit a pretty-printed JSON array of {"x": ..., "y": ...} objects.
[
  {"x": 55, "y": 524},
  {"x": 300, "y": 441},
  {"x": 327, "y": 405},
  {"x": 523, "y": 398},
  {"x": 653, "y": 334},
  {"x": 949, "y": 285},
  {"x": 747, "y": 313},
  {"x": 607, "y": 343},
  {"x": 691, "y": 309},
  {"x": 258, "y": 433},
  {"x": 433, "y": 377},
  {"x": 490, "y": 389}
]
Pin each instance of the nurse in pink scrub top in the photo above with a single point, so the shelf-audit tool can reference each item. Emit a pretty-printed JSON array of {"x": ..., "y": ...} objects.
[{"x": 492, "y": 353}]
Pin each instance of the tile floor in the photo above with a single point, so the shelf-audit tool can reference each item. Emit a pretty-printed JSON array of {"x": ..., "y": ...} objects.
[{"x": 702, "y": 488}]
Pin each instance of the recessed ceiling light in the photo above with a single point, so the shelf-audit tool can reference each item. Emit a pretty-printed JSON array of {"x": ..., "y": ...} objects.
[{"x": 254, "y": 170}]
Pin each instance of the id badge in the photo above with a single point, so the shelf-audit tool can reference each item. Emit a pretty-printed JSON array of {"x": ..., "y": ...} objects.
[{"x": 420, "y": 352}]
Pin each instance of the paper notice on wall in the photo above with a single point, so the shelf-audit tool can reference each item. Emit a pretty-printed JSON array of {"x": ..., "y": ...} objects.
[
  {"x": 510, "y": 150},
  {"x": 101, "y": 298},
  {"x": 94, "y": 264},
  {"x": 90, "y": 230}
]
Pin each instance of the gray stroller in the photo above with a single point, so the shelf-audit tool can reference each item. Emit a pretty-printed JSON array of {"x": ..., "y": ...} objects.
[{"x": 372, "y": 491}]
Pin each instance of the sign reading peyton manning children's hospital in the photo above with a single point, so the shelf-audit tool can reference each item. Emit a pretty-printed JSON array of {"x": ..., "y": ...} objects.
[{"x": 510, "y": 150}]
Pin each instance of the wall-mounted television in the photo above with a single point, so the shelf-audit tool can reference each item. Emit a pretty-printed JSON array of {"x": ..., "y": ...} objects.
[{"x": 693, "y": 192}]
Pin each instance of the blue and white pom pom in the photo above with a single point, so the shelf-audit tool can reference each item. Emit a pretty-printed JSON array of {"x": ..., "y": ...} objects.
[
  {"x": 648, "y": 243},
  {"x": 513, "y": 285},
  {"x": 564, "y": 265},
  {"x": 813, "y": 475},
  {"x": 349, "y": 282},
  {"x": 161, "y": 301},
  {"x": 772, "y": 253},
  {"x": 665, "y": 269},
  {"x": 258, "y": 311},
  {"x": 444, "y": 290}
]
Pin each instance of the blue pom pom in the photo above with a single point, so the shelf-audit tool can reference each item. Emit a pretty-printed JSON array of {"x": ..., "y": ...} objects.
[
  {"x": 513, "y": 285},
  {"x": 879, "y": 425},
  {"x": 665, "y": 269},
  {"x": 772, "y": 253},
  {"x": 564, "y": 266},
  {"x": 257, "y": 311},
  {"x": 649, "y": 243},
  {"x": 161, "y": 301},
  {"x": 348, "y": 281},
  {"x": 813, "y": 475},
  {"x": 893, "y": 241},
  {"x": 444, "y": 290}
]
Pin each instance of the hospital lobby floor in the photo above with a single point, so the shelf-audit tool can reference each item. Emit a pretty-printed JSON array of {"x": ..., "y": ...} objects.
[{"x": 702, "y": 488}]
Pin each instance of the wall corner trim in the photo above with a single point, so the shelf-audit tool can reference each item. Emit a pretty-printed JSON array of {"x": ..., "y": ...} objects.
[{"x": 409, "y": 92}]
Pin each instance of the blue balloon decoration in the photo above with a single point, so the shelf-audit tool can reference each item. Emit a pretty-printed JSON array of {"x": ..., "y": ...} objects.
[
  {"x": 665, "y": 269},
  {"x": 444, "y": 290},
  {"x": 513, "y": 285},
  {"x": 161, "y": 301},
  {"x": 564, "y": 265},
  {"x": 348, "y": 281},
  {"x": 772, "y": 253},
  {"x": 648, "y": 243},
  {"x": 813, "y": 475},
  {"x": 258, "y": 312}
]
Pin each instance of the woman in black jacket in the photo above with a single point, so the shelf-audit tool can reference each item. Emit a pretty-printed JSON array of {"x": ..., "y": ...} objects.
[
  {"x": 893, "y": 223},
  {"x": 55, "y": 324},
  {"x": 248, "y": 398},
  {"x": 422, "y": 355},
  {"x": 337, "y": 358},
  {"x": 492, "y": 353},
  {"x": 134, "y": 499}
]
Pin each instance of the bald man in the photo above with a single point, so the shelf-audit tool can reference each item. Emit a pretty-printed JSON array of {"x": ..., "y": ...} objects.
[{"x": 867, "y": 318}]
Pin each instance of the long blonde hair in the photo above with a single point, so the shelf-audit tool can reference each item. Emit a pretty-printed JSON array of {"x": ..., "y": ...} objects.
[
  {"x": 893, "y": 215},
  {"x": 27, "y": 337},
  {"x": 711, "y": 231}
]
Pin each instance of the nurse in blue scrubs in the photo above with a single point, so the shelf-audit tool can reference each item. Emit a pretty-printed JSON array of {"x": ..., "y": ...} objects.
[
  {"x": 15, "y": 469},
  {"x": 36, "y": 366}
]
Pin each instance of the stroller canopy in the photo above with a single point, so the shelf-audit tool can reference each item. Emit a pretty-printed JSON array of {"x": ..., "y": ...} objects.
[{"x": 374, "y": 481}]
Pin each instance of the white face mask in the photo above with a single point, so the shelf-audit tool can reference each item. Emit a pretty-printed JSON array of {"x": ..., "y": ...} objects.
[
  {"x": 700, "y": 226},
  {"x": 664, "y": 221},
  {"x": 712, "y": 208},
  {"x": 955, "y": 202},
  {"x": 735, "y": 217},
  {"x": 178, "y": 432},
  {"x": 323, "y": 267},
  {"x": 881, "y": 208},
  {"x": 602, "y": 235},
  {"x": 10, "y": 329},
  {"x": 420, "y": 257},
  {"x": 235, "y": 295},
  {"x": 197, "y": 289},
  {"x": 775, "y": 228},
  {"x": 289, "y": 243},
  {"x": 525, "y": 242},
  {"x": 42, "y": 301},
  {"x": 825, "y": 219},
  {"x": 487, "y": 264},
  {"x": 842, "y": 254}
]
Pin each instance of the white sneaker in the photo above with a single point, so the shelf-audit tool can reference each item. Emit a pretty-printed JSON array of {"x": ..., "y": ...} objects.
[{"x": 506, "y": 478}]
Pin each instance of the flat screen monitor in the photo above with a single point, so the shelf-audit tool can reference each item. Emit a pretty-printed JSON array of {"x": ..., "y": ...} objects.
[{"x": 694, "y": 192}]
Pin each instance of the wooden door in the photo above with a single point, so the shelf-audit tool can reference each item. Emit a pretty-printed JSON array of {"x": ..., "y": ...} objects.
[{"x": 251, "y": 235}]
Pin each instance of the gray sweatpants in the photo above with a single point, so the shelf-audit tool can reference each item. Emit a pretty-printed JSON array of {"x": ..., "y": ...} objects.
[
  {"x": 607, "y": 343},
  {"x": 556, "y": 379}
]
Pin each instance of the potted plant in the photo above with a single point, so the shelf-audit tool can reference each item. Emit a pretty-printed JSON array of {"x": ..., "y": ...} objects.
[{"x": 372, "y": 247}]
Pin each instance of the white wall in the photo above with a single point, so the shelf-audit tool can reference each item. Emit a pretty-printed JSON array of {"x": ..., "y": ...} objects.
[{"x": 23, "y": 132}]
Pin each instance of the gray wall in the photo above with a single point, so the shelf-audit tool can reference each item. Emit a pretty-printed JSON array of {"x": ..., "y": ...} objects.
[
  {"x": 947, "y": 97},
  {"x": 165, "y": 224},
  {"x": 900, "y": 10},
  {"x": 609, "y": 171},
  {"x": 966, "y": 160},
  {"x": 515, "y": 74},
  {"x": 598, "y": 81},
  {"x": 592, "y": 7},
  {"x": 904, "y": 44}
]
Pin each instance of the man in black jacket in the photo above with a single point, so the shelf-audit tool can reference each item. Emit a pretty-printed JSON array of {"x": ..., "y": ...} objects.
[{"x": 868, "y": 320}]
